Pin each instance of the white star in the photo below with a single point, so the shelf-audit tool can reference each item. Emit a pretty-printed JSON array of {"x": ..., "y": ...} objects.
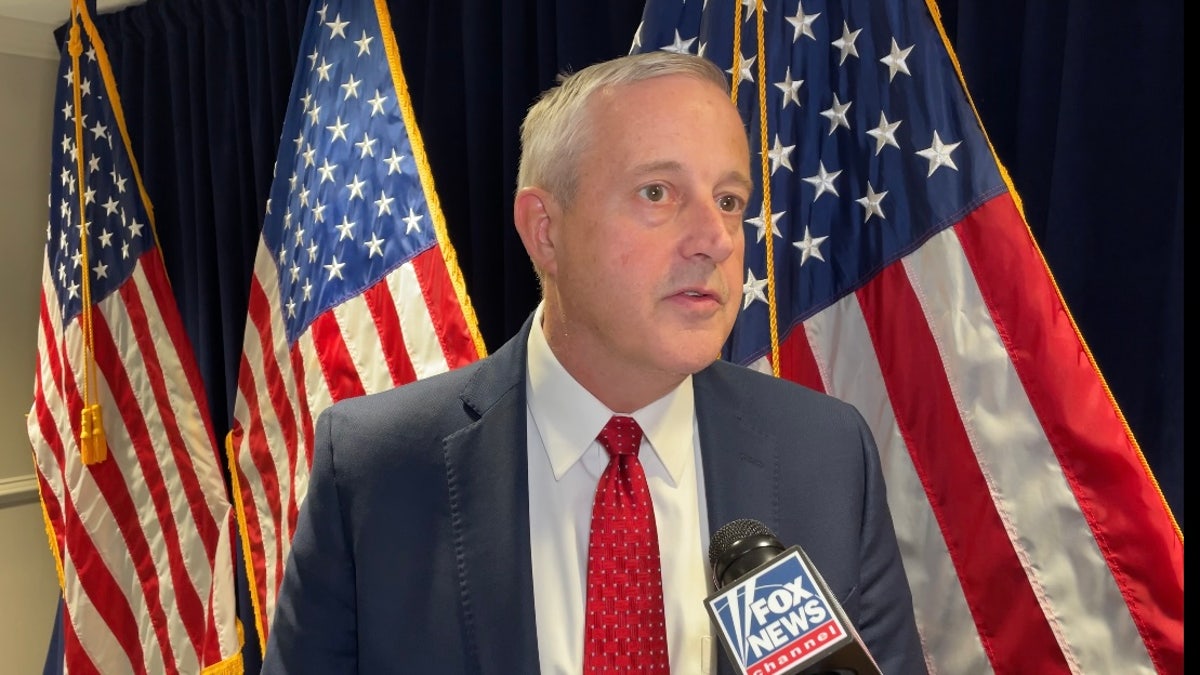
[
  {"x": 120, "y": 180},
  {"x": 377, "y": 103},
  {"x": 94, "y": 163},
  {"x": 680, "y": 46},
  {"x": 760, "y": 224},
  {"x": 105, "y": 238},
  {"x": 303, "y": 194},
  {"x": 295, "y": 270},
  {"x": 364, "y": 43},
  {"x": 384, "y": 203},
  {"x": 125, "y": 251},
  {"x": 366, "y": 146},
  {"x": 344, "y": 228},
  {"x": 318, "y": 213},
  {"x": 312, "y": 59},
  {"x": 312, "y": 250},
  {"x": 309, "y": 156},
  {"x": 895, "y": 60},
  {"x": 375, "y": 245},
  {"x": 412, "y": 221},
  {"x": 89, "y": 195},
  {"x": 72, "y": 290},
  {"x": 637, "y": 38},
  {"x": 338, "y": 26},
  {"x": 356, "y": 187},
  {"x": 744, "y": 69},
  {"x": 836, "y": 114},
  {"x": 790, "y": 88},
  {"x": 802, "y": 22},
  {"x": 291, "y": 308},
  {"x": 351, "y": 87},
  {"x": 748, "y": 8},
  {"x": 110, "y": 206},
  {"x": 846, "y": 43},
  {"x": 135, "y": 228},
  {"x": 339, "y": 129},
  {"x": 307, "y": 290},
  {"x": 823, "y": 181},
  {"x": 781, "y": 155},
  {"x": 76, "y": 258},
  {"x": 871, "y": 202},
  {"x": 884, "y": 134},
  {"x": 753, "y": 289},
  {"x": 314, "y": 114},
  {"x": 810, "y": 247},
  {"x": 335, "y": 269},
  {"x": 323, "y": 70},
  {"x": 393, "y": 163},
  {"x": 100, "y": 131},
  {"x": 938, "y": 154},
  {"x": 326, "y": 170}
]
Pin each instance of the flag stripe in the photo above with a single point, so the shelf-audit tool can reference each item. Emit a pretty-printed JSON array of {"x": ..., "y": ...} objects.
[
  {"x": 1080, "y": 423},
  {"x": 74, "y": 653},
  {"x": 841, "y": 343},
  {"x": 379, "y": 303},
  {"x": 337, "y": 365},
  {"x": 358, "y": 336},
  {"x": 961, "y": 494},
  {"x": 450, "y": 325}
]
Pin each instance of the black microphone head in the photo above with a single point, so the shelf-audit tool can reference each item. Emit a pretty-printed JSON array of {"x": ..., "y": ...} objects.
[{"x": 738, "y": 547}]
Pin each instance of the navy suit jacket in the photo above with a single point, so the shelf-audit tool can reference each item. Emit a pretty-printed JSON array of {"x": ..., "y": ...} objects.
[{"x": 411, "y": 553}]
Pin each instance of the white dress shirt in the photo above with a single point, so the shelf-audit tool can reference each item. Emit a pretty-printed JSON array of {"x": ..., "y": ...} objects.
[{"x": 565, "y": 463}]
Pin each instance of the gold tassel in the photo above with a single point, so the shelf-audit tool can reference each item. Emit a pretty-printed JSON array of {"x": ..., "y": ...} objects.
[{"x": 93, "y": 445}]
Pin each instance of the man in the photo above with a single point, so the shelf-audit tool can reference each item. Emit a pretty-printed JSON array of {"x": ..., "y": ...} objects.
[{"x": 447, "y": 523}]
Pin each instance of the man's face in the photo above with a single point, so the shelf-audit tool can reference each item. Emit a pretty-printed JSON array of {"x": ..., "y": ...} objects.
[{"x": 646, "y": 279}]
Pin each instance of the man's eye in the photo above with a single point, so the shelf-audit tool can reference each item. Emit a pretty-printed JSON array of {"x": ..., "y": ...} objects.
[
  {"x": 731, "y": 204},
  {"x": 655, "y": 193}
]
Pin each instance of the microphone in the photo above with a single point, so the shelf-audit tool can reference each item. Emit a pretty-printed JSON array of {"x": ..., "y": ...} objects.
[{"x": 774, "y": 612}]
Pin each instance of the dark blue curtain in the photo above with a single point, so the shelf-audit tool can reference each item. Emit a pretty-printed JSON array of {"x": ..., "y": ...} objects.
[{"x": 1083, "y": 102}]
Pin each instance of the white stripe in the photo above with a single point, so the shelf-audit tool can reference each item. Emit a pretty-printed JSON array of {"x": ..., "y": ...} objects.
[
  {"x": 846, "y": 359},
  {"x": 420, "y": 337},
  {"x": 1048, "y": 531},
  {"x": 361, "y": 337}
]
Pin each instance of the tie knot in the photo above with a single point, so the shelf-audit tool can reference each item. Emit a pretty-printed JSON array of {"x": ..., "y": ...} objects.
[{"x": 621, "y": 436}]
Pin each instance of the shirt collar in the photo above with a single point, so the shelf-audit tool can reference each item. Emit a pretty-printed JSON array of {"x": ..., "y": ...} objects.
[{"x": 569, "y": 418}]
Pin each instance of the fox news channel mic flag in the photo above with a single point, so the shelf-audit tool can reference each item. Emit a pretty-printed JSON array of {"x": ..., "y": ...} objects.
[
  {"x": 128, "y": 467},
  {"x": 889, "y": 264},
  {"x": 356, "y": 288}
]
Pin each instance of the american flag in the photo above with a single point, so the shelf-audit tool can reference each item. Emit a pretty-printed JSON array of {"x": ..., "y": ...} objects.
[
  {"x": 130, "y": 475},
  {"x": 356, "y": 288},
  {"x": 890, "y": 265}
]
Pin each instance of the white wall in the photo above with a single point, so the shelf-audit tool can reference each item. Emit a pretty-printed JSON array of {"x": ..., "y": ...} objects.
[{"x": 28, "y": 583}]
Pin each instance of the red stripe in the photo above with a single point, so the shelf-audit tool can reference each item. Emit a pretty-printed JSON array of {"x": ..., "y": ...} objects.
[
  {"x": 306, "y": 428},
  {"x": 797, "y": 362},
  {"x": 336, "y": 364},
  {"x": 382, "y": 307},
  {"x": 444, "y": 308},
  {"x": 1131, "y": 523},
  {"x": 145, "y": 336},
  {"x": 113, "y": 485},
  {"x": 92, "y": 575},
  {"x": 116, "y": 610},
  {"x": 1010, "y": 622}
]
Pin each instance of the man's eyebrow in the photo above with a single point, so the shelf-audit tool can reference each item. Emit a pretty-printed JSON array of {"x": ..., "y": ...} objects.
[{"x": 670, "y": 165}]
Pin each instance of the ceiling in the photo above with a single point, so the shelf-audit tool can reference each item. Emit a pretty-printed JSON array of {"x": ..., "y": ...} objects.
[
  {"x": 27, "y": 26},
  {"x": 53, "y": 12}
]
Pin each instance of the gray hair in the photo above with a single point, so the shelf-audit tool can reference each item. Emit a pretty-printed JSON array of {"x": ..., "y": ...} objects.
[{"x": 556, "y": 128}]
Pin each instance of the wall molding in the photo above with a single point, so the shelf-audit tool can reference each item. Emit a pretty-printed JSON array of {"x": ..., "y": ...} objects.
[{"x": 18, "y": 490}]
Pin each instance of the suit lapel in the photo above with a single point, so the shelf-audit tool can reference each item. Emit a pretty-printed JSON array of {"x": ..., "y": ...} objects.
[
  {"x": 740, "y": 455},
  {"x": 489, "y": 513},
  {"x": 740, "y": 460}
]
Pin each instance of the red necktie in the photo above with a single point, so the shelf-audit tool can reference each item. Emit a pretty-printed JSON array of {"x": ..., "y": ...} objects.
[{"x": 625, "y": 630}]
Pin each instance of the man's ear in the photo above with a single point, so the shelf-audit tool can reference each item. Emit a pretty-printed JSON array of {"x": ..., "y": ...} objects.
[{"x": 536, "y": 213}]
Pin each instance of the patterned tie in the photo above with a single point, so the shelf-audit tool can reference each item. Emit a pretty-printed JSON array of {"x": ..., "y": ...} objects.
[{"x": 625, "y": 630}]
